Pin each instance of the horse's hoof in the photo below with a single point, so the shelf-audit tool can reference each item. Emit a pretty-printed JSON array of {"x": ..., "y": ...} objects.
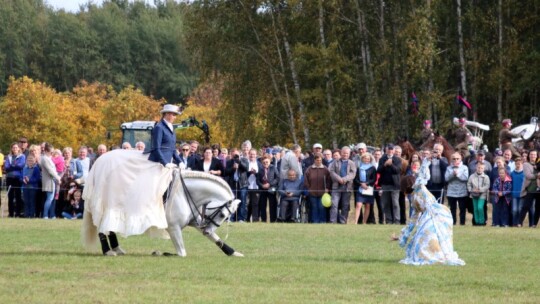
[
  {"x": 110, "y": 253},
  {"x": 157, "y": 253},
  {"x": 237, "y": 254},
  {"x": 119, "y": 251}
]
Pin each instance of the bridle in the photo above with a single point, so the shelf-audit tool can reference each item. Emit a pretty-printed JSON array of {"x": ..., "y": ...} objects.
[{"x": 205, "y": 220}]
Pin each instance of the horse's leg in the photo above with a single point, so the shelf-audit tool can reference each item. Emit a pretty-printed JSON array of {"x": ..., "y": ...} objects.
[
  {"x": 212, "y": 236},
  {"x": 114, "y": 244},
  {"x": 178, "y": 240},
  {"x": 105, "y": 245}
]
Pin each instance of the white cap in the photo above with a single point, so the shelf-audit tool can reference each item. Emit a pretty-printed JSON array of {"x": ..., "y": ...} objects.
[
  {"x": 361, "y": 146},
  {"x": 317, "y": 145},
  {"x": 169, "y": 108}
]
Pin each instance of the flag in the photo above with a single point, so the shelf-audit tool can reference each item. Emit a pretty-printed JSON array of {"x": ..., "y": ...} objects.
[{"x": 460, "y": 100}]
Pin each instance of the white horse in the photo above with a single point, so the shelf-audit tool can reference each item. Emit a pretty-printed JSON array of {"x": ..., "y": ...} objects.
[{"x": 123, "y": 194}]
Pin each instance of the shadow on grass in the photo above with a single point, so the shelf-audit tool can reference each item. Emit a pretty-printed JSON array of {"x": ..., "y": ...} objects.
[
  {"x": 356, "y": 260},
  {"x": 78, "y": 254}
]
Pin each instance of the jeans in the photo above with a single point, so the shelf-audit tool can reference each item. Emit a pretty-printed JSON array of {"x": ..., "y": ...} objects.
[
  {"x": 501, "y": 212},
  {"x": 70, "y": 216},
  {"x": 49, "y": 208},
  {"x": 517, "y": 206},
  {"x": 241, "y": 212},
  {"x": 317, "y": 212},
  {"x": 30, "y": 194}
]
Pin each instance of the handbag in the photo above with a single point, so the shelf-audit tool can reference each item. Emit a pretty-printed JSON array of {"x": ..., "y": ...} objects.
[{"x": 368, "y": 191}]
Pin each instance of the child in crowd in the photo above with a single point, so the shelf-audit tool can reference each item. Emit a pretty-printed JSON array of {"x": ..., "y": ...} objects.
[
  {"x": 518, "y": 177},
  {"x": 58, "y": 161},
  {"x": 478, "y": 187},
  {"x": 501, "y": 195},
  {"x": 30, "y": 180},
  {"x": 74, "y": 210}
]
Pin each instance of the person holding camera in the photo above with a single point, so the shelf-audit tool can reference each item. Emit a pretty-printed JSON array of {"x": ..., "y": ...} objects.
[
  {"x": 267, "y": 180},
  {"x": 236, "y": 174},
  {"x": 437, "y": 168}
]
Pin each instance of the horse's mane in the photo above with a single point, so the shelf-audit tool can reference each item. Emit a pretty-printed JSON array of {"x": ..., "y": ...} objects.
[
  {"x": 204, "y": 175},
  {"x": 407, "y": 149}
]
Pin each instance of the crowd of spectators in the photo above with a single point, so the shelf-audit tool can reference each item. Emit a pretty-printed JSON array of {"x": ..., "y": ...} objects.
[{"x": 274, "y": 184}]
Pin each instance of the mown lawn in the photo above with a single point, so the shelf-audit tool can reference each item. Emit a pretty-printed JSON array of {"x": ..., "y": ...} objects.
[{"x": 43, "y": 262}]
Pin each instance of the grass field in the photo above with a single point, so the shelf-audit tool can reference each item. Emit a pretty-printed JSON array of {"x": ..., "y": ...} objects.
[{"x": 43, "y": 262}]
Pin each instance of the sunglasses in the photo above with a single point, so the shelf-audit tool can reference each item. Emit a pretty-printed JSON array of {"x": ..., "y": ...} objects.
[{"x": 185, "y": 149}]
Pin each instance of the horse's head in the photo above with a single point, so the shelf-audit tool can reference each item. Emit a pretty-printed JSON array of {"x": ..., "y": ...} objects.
[{"x": 218, "y": 212}]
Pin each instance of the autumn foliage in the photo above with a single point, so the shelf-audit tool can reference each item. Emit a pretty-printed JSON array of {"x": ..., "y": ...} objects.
[
  {"x": 92, "y": 113},
  {"x": 82, "y": 117}
]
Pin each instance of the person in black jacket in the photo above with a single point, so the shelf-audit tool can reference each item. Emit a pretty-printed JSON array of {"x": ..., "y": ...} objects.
[
  {"x": 389, "y": 169},
  {"x": 209, "y": 163},
  {"x": 437, "y": 168},
  {"x": 236, "y": 175},
  {"x": 267, "y": 180}
]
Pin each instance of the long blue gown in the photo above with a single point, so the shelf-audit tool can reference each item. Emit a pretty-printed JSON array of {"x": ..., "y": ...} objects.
[{"x": 427, "y": 238}]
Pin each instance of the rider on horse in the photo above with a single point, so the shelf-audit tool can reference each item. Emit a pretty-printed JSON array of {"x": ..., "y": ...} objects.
[
  {"x": 164, "y": 138},
  {"x": 505, "y": 137},
  {"x": 427, "y": 131},
  {"x": 462, "y": 138}
]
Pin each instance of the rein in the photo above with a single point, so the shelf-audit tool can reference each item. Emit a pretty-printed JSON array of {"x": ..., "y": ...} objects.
[{"x": 204, "y": 220}]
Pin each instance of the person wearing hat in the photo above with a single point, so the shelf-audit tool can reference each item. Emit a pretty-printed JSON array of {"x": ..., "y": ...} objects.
[
  {"x": 426, "y": 131},
  {"x": 480, "y": 158},
  {"x": 461, "y": 133},
  {"x": 505, "y": 137},
  {"x": 163, "y": 148},
  {"x": 308, "y": 161}
]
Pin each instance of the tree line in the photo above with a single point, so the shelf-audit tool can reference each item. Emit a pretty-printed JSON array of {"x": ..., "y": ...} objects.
[
  {"x": 343, "y": 71},
  {"x": 119, "y": 43},
  {"x": 292, "y": 71}
]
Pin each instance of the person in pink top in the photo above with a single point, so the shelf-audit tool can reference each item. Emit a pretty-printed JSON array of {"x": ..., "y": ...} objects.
[
  {"x": 58, "y": 161},
  {"x": 59, "y": 164}
]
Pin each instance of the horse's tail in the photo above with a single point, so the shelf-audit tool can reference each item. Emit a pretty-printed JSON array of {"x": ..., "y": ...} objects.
[{"x": 89, "y": 234}]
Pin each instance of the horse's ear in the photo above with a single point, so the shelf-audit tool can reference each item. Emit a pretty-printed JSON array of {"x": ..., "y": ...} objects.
[{"x": 437, "y": 133}]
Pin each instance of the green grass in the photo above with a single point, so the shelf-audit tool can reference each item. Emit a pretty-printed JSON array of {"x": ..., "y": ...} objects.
[{"x": 43, "y": 262}]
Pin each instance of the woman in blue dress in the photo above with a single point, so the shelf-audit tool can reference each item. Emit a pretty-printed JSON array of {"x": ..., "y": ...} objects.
[{"x": 427, "y": 238}]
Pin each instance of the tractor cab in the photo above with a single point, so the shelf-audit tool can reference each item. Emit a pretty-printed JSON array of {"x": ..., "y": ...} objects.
[{"x": 136, "y": 131}]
